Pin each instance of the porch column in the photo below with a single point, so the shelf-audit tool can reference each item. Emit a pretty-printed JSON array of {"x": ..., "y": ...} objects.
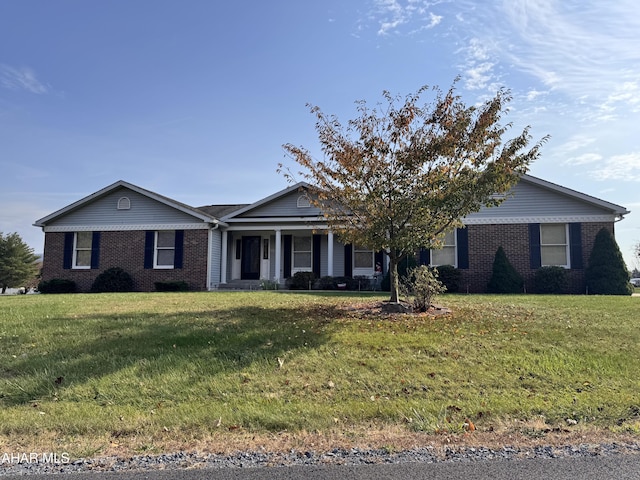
[
  {"x": 223, "y": 259},
  {"x": 276, "y": 276},
  {"x": 330, "y": 253}
]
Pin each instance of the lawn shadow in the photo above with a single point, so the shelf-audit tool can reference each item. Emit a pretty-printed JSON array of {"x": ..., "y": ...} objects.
[{"x": 216, "y": 341}]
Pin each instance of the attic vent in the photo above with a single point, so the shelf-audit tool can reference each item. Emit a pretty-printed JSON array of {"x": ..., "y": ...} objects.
[
  {"x": 124, "y": 203},
  {"x": 303, "y": 202}
]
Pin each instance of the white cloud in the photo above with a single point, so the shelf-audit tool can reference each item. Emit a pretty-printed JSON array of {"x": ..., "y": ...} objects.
[
  {"x": 392, "y": 15},
  {"x": 533, "y": 94},
  {"x": 21, "y": 79},
  {"x": 479, "y": 66},
  {"x": 585, "y": 159},
  {"x": 619, "y": 167},
  {"x": 576, "y": 142}
]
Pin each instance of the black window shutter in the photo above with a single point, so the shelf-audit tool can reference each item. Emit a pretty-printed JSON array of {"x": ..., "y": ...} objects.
[
  {"x": 286, "y": 246},
  {"x": 348, "y": 260},
  {"x": 178, "y": 253},
  {"x": 575, "y": 245},
  {"x": 535, "y": 256},
  {"x": 67, "y": 253},
  {"x": 462, "y": 238},
  {"x": 424, "y": 257},
  {"x": 95, "y": 250},
  {"x": 317, "y": 238},
  {"x": 149, "y": 240}
]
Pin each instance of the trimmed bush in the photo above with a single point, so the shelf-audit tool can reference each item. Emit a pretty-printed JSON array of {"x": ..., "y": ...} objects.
[
  {"x": 57, "y": 285},
  {"x": 449, "y": 276},
  {"x": 176, "y": 286},
  {"x": 113, "y": 280},
  {"x": 325, "y": 283},
  {"x": 504, "y": 277},
  {"x": 550, "y": 280},
  {"x": 606, "y": 272},
  {"x": 301, "y": 280}
]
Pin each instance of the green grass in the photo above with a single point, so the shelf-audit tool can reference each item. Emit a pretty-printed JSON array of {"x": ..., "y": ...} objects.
[{"x": 85, "y": 368}]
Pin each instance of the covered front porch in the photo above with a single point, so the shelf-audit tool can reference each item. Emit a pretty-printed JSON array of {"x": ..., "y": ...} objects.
[{"x": 277, "y": 254}]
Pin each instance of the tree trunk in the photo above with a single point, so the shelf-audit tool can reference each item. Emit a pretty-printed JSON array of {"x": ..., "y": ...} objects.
[{"x": 393, "y": 278}]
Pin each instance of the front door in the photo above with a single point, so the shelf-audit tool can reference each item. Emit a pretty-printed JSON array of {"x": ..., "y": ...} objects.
[{"x": 250, "y": 260}]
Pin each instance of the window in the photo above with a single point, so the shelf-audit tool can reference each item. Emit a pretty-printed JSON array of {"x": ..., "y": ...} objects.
[
  {"x": 265, "y": 249},
  {"x": 82, "y": 250},
  {"x": 301, "y": 254},
  {"x": 124, "y": 203},
  {"x": 363, "y": 260},
  {"x": 165, "y": 249},
  {"x": 303, "y": 202},
  {"x": 554, "y": 247},
  {"x": 447, "y": 254}
]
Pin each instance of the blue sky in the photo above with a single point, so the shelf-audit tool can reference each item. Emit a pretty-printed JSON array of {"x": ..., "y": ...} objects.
[{"x": 194, "y": 99}]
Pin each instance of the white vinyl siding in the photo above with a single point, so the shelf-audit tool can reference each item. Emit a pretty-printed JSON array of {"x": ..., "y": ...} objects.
[{"x": 554, "y": 245}]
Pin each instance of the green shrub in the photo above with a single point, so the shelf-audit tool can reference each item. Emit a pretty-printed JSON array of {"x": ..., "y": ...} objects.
[
  {"x": 325, "y": 283},
  {"x": 450, "y": 277},
  {"x": 423, "y": 285},
  {"x": 113, "y": 280},
  {"x": 175, "y": 286},
  {"x": 606, "y": 272},
  {"x": 57, "y": 285},
  {"x": 550, "y": 280},
  {"x": 504, "y": 277},
  {"x": 301, "y": 280}
]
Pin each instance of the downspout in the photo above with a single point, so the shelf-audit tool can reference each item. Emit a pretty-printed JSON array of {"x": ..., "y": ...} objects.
[{"x": 216, "y": 225}]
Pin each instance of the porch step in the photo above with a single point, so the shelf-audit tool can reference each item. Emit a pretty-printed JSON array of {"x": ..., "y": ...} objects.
[{"x": 240, "y": 285}]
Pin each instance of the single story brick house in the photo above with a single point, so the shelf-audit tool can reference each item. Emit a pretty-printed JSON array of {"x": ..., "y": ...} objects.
[{"x": 157, "y": 239}]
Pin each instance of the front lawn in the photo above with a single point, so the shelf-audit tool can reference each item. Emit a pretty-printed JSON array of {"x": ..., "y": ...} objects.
[{"x": 91, "y": 374}]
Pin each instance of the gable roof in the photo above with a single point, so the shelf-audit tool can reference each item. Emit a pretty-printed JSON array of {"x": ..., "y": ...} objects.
[
  {"x": 205, "y": 217},
  {"x": 264, "y": 201},
  {"x": 615, "y": 209}
]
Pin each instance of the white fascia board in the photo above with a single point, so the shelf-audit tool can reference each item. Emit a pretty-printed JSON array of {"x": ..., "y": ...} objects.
[
  {"x": 275, "y": 220},
  {"x": 541, "y": 219},
  {"x": 127, "y": 228},
  {"x": 273, "y": 228}
]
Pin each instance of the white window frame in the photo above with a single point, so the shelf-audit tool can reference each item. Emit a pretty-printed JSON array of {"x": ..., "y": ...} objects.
[
  {"x": 567, "y": 255},
  {"x": 363, "y": 271},
  {"x": 77, "y": 249},
  {"x": 157, "y": 249},
  {"x": 445, "y": 245},
  {"x": 303, "y": 202},
  {"x": 295, "y": 269},
  {"x": 124, "y": 203}
]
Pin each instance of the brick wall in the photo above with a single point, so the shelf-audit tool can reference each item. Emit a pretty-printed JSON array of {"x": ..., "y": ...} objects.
[
  {"x": 484, "y": 241},
  {"x": 126, "y": 250}
]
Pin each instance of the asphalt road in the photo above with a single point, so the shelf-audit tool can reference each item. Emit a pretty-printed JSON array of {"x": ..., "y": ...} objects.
[{"x": 622, "y": 467}]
